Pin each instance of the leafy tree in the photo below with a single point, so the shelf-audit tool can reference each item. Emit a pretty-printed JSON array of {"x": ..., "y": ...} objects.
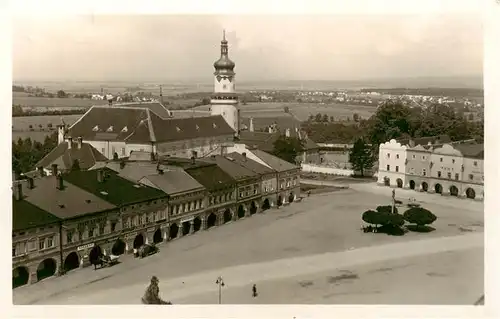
[
  {"x": 318, "y": 117},
  {"x": 30, "y": 127},
  {"x": 392, "y": 120},
  {"x": 325, "y": 118},
  {"x": 311, "y": 118},
  {"x": 49, "y": 125},
  {"x": 361, "y": 157},
  {"x": 288, "y": 148},
  {"x": 26, "y": 153},
  {"x": 375, "y": 217},
  {"x": 286, "y": 109},
  {"x": 332, "y": 119},
  {"x": 61, "y": 94},
  {"x": 387, "y": 209},
  {"x": 355, "y": 117},
  {"x": 115, "y": 156},
  {"x": 419, "y": 216},
  {"x": 76, "y": 165}
]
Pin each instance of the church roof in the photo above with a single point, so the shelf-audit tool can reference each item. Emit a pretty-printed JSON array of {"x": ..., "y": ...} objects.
[{"x": 64, "y": 157}]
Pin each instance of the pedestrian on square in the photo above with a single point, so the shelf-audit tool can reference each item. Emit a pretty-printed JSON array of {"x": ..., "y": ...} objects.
[{"x": 254, "y": 291}]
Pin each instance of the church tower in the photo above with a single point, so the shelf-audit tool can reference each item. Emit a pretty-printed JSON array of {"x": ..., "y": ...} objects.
[{"x": 224, "y": 100}]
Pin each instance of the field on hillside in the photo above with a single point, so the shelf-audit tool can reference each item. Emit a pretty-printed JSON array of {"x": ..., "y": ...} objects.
[
  {"x": 24, "y": 100},
  {"x": 23, "y": 122},
  {"x": 302, "y": 110}
]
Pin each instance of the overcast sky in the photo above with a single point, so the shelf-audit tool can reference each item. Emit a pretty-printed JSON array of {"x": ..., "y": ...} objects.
[{"x": 167, "y": 47}]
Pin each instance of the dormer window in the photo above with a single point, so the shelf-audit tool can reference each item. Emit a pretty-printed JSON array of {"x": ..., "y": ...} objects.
[
  {"x": 214, "y": 125},
  {"x": 178, "y": 129},
  {"x": 125, "y": 129},
  {"x": 197, "y": 127},
  {"x": 96, "y": 128},
  {"x": 110, "y": 129}
]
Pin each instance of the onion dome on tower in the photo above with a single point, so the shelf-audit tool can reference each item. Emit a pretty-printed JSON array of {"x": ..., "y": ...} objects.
[{"x": 224, "y": 66}]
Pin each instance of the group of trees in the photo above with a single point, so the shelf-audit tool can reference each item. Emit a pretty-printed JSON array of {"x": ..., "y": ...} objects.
[
  {"x": 26, "y": 153},
  {"x": 324, "y": 118},
  {"x": 288, "y": 148},
  {"x": 385, "y": 220},
  {"x": 18, "y": 111}
]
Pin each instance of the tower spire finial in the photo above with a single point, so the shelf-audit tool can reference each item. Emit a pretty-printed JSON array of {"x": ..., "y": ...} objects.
[{"x": 224, "y": 34}]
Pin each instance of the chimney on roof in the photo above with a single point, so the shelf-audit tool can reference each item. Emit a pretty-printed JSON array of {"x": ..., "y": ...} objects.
[
  {"x": 40, "y": 171},
  {"x": 161, "y": 95},
  {"x": 244, "y": 156},
  {"x": 70, "y": 142},
  {"x": 122, "y": 164},
  {"x": 270, "y": 129},
  {"x": 213, "y": 156},
  {"x": 31, "y": 183},
  {"x": 79, "y": 142},
  {"x": 287, "y": 132},
  {"x": 54, "y": 169},
  {"x": 60, "y": 182},
  {"x": 193, "y": 161},
  {"x": 411, "y": 143},
  {"x": 18, "y": 190},
  {"x": 100, "y": 176},
  {"x": 251, "y": 125},
  {"x": 60, "y": 133}
]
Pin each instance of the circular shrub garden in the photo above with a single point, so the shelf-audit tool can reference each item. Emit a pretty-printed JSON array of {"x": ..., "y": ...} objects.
[{"x": 383, "y": 220}]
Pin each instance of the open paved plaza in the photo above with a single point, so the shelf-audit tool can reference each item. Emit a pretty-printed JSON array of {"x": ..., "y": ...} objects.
[{"x": 308, "y": 252}]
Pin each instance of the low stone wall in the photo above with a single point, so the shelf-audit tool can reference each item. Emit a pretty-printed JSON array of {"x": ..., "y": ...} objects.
[{"x": 311, "y": 168}]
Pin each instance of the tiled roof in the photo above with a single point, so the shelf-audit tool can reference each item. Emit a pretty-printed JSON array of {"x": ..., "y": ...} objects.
[
  {"x": 440, "y": 139},
  {"x": 156, "y": 107},
  {"x": 228, "y": 165},
  {"x": 265, "y": 141},
  {"x": 471, "y": 150},
  {"x": 177, "y": 129},
  {"x": 211, "y": 177},
  {"x": 112, "y": 123},
  {"x": 249, "y": 163},
  {"x": 276, "y": 163},
  {"x": 173, "y": 182},
  {"x": 26, "y": 215},
  {"x": 87, "y": 156},
  {"x": 69, "y": 202},
  {"x": 283, "y": 122},
  {"x": 182, "y": 163},
  {"x": 133, "y": 171},
  {"x": 114, "y": 189}
]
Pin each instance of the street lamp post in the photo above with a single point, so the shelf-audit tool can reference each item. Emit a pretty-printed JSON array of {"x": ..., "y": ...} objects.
[{"x": 220, "y": 283}]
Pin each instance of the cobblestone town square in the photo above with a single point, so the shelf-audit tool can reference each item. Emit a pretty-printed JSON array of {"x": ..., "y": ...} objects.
[{"x": 311, "y": 252}]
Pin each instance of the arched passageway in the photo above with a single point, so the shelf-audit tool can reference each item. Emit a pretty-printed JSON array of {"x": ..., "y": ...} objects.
[
  {"x": 425, "y": 186},
  {"x": 20, "y": 276},
  {"x": 227, "y": 216},
  {"x": 138, "y": 241},
  {"x": 387, "y": 181},
  {"x": 438, "y": 188},
  {"x": 280, "y": 201},
  {"x": 253, "y": 208},
  {"x": 211, "y": 220},
  {"x": 157, "y": 237},
  {"x": 241, "y": 211},
  {"x": 399, "y": 182},
  {"x": 186, "y": 227},
  {"x": 118, "y": 247},
  {"x": 266, "y": 205},
  {"x": 453, "y": 190},
  {"x": 46, "y": 268},
  {"x": 71, "y": 262},
  {"x": 95, "y": 255},
  {"x": 173, "y": 231},
  {"x": 470, "y": 193},
  {"x": 196, "y": 224},
  {"x": 291, "y": 197},
  {"x": 412, "y": 184}
]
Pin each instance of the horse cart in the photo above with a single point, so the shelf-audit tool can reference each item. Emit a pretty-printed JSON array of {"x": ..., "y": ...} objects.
[{"x": 107, "y": 261}]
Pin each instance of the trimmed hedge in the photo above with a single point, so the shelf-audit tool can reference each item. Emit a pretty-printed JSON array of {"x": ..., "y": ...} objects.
[
  {"x": 386, "y": 209},
  {"x": 419, "y": 216}
]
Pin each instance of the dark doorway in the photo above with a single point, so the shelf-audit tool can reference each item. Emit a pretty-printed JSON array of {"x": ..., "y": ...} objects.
[
  {"x": 186, "y": 227},
  {"x": 138, "y": 241},
  {"x": 95, "y": 255},
  {"x": 241, "y": 211},
  {"x": 253, "y": 208},
  {"x": 291, "y": 198},
  {"x": 387, "y": 181},
  {"x": 438, "y": 188},
  {"x": 412, "y": 184},
  {"x": 173, "y": 231},
  {"x": 266, "y": 205},
  {"x": 399, "y": 181},
  {"x": 227, "y": 216},
  {"x": 196, "y": 224},
  {"x": 453, "y": 190},
  {"x": 47, "y": 268},
  {"x": 425, "y": 186},
  {"x": 470, "y": 193},
  {"x": 211, "y": 220},
  {"x": 118, "y": 247},
  {"x": 157, "y": 237},
  {"x": 20, "y": 276},
  {"x": 280, "y": 201},
  {"x": 71, "y": 262}
]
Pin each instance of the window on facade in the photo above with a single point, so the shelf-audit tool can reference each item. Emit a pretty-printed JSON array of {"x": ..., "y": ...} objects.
[
  {"x": 453, "y": 161},
  {"x": 397, "y": 156},
  {"x": 91, "y": 232},
  {"x": 50, "y": 242},
  {"x": 388, "y": 167},
  {"x": 103, "y": 151},
  {"x": 456, "y": 176},
  {"x": 32, "y": 245},
  {"x": 388, "y": 155},
  {"x": 13, "y": 251},
  {"x": 475, "y": 163},
  {"x": 439, "y": 173},
  {"x": 423, "y": 157},
  {"x": 471, "y": 177},
  {"x": 441, "y": 159},
  {"x": 413, "y": 156},
  {"x": 123, "y": 151},
  {"x": 69, "y": 237},
  {"x": 424, "y": 172},
  {"x": 101, "y": 229},
  {"x": 449, "y": 175},
  {"x": 113, "y": 227},
  {"x": 397, "y": 168},
  {"x": 41, "y": 244}
]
